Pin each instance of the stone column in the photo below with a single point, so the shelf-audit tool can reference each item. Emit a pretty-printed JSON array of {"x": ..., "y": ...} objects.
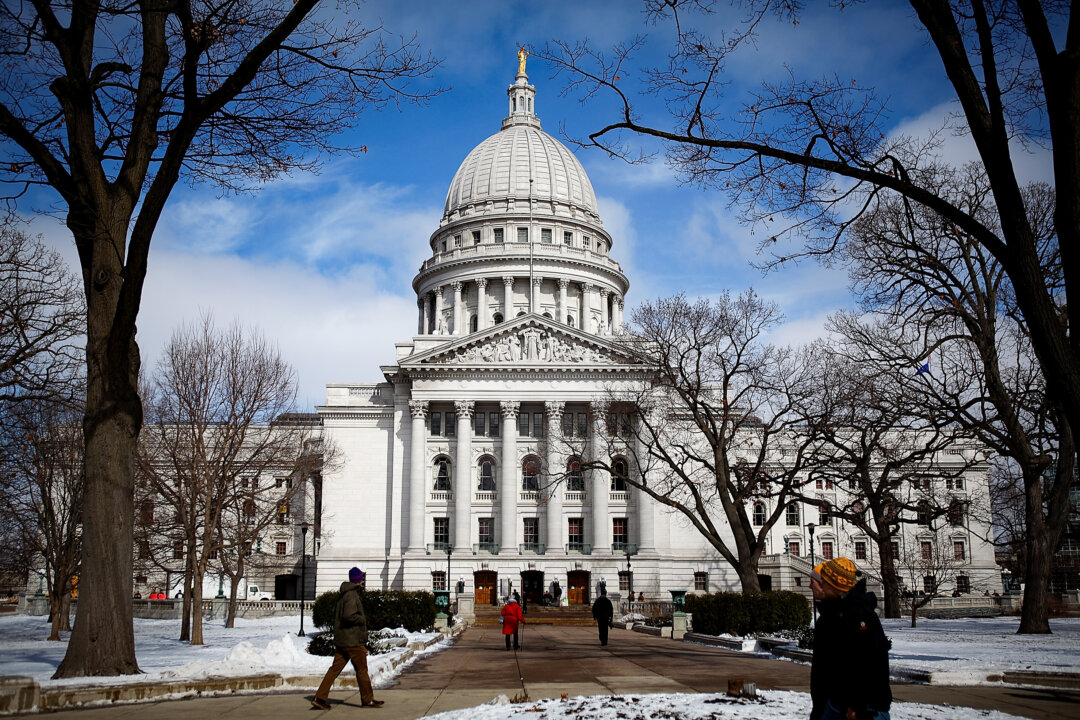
[
  {"x": 419, "y": 316},
  {"x": 556, "y": 477},
  {"x": 618, "y": 314},
  {"x": 508, "y": 298},
  {"x": 508, "y": 480},
  {"x": 645, "y": 506},
  {"x": 586, "y": 307},
  {"x": 463, "y": 482},
  {"x": 418, "y": 473},
  {"x": 604, "y": 317},
  {"x": 440, "y": 328},
  {"x": 563, "y": 285},
  {"x": 600, "y": 487},
  {"x": 535, "y": 306},
  {"x": 427, "y": 314},
  {"x": 458, "y": 329},
  {"x": 481, "y": 304}
]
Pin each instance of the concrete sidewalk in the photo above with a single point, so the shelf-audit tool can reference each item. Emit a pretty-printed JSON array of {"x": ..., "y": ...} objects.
[{"x": 557, "y": 660}]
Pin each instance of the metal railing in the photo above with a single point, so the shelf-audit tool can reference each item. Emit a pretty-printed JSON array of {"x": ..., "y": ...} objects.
[
  {"x": 537, "y": 548},
  {"x": 579, "y": 548},
  {"x": 437, "y": 547},
  {"x": 624, "y": 548},
  {"x": 487, "y": 547}
]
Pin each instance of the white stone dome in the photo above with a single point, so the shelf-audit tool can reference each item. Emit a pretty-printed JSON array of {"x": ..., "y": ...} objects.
[{"x": 500, "y": 167}]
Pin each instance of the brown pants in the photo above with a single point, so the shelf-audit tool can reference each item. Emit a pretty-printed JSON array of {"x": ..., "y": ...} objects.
[{"x": 358, "y": 656}]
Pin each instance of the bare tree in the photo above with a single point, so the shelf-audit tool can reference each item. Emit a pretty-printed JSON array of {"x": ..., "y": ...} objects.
[
  {"x": 41, "y": 495},
  {"x": 933, "y": 563},
  {"x": 42, "y": 318},
  {"x": 816, "y": 153},
  {"x": 714, "y": 430},
  {"x": 940, "y": 300},
  {"x": 109, "y": 104},
  {"x": 210, "y": 437}
]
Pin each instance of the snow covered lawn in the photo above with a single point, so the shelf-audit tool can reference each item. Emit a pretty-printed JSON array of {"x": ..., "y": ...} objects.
[{"x": 268, "y": 645}]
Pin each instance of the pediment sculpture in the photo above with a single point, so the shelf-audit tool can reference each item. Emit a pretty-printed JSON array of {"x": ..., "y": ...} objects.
[{"x": 527, "y": 344}]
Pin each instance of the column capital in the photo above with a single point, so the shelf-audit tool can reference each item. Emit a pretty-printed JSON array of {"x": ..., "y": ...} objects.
[
  {"x": 587, "y": 287},
  {"x": 509, "y": 408},
  {"x": 604, "y": 292},
  {"x": 619, "y": 301},
  {"x": 481, "y": 283},
  {"x": 563, "y": 283},
  {"x": 418, "y": 408},
  {"x": 554, "y": 410},
  {"x": 456, "y": 285},
  {"x": 464, "y": 408},
  {"x": 508, "y": 280},
  {"x": 537, "y": 281}
]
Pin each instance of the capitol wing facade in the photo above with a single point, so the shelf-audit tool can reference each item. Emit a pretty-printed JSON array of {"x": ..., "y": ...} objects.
[{"x": 463, "y": 465}]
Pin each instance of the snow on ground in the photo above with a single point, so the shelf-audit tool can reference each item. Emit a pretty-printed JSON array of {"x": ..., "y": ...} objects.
[
  {"x": 771, "y": 704},
  {"x": 955, "y": 651},
  {"x": 267, "y": 645}
]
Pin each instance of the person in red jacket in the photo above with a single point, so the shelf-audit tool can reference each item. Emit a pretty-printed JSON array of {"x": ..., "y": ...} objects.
[{"x": 511, "y": 617}]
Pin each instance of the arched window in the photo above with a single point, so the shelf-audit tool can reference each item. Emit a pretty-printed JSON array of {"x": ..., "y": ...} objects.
[
  {"x": 759, "y": 514},
  {"x": 486, "y": 474},
  {"x": 793, "y": 515},
  {"x": 618, "y": 475},
  {"x": 575, "y": 476},
  {"x": 441, "y": 472},
  {"x": 498, "y": 318},
  {"x": 520, "y": 313},
  {"x": 474, "y": 323},
  {"x": 548, "y": 316},
  {"x": 570, "y": 320},
  {"x": 530, "y": 474}
]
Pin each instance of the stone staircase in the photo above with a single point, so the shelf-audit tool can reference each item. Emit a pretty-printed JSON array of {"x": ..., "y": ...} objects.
[{"x": 540, "y": 615}]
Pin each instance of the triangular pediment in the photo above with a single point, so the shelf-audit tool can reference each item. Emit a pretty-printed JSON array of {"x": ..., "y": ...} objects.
[{"x": 529, "y": 340}]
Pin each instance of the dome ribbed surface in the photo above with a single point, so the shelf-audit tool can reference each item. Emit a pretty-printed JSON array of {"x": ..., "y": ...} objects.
[{"x": 500, "y": 166}]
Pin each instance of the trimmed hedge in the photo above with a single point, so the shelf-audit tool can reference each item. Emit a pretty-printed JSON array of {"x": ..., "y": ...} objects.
[
  {"x": 748, "y": 614},
  {"x": 414, "y": 611}
]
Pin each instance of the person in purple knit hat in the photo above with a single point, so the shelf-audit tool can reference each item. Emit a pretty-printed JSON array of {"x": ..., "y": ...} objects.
[{"x": 350, "y": 638}]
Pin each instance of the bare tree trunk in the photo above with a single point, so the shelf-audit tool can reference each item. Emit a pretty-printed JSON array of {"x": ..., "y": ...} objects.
[
  {"x": 56, "y": 609},
  {"x": 65, "y": 612},
  {"x": 196, "y": 607},
  {"x": 234, "y": 587},
  {"x": 1035, "y": 614},
  {"x": 890, "y": 580},
  {"x": 185, "y": 617},
  {"x": 748, "y": 576}
]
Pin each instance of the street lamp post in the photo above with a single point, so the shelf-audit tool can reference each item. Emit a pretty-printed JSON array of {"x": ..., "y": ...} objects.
[
  {"x": 303, "y": 572},
  {"x": 629, "y": 577},
  {"x": 449, "y": 552},
  {"x": 813, "y": 564}
]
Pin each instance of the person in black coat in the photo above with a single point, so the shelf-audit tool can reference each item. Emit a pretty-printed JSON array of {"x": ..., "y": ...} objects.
[
  {"x": 603, "y": 613},
  {"x": 849, "y": 674}
]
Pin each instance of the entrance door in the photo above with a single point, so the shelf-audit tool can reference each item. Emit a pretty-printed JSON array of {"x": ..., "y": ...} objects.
[
  {"x": 578, "y": 592},
  {"x": 532, "y": 586},
  {"x": 486, "y": 583}
]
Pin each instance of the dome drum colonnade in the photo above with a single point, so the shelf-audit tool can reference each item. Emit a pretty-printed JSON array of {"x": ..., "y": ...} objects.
[{"x": 520, "y": 233}]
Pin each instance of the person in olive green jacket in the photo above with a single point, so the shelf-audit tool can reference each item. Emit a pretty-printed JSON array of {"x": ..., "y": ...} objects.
[{"x": 350, "y": 638}]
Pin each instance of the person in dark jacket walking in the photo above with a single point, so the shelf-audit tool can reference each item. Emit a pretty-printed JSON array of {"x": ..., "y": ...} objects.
[
  {"x": 603, "y": 613},
  {"x": 849, "y": 674},
  {"x": 350, "y": 638},
  {"x": 510, "y": 617}
]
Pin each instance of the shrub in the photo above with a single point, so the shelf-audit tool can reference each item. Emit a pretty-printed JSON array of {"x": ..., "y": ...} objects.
[
  {"x": 748, "y": 614},
  {"x": 413, "y": 611}
]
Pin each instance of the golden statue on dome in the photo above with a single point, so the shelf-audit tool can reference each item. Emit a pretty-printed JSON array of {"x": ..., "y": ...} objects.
[{"x": 522, "y": 54}]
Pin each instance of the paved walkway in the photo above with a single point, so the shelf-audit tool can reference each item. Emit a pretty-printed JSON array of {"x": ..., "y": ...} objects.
[{"x": 556, "y": 660}]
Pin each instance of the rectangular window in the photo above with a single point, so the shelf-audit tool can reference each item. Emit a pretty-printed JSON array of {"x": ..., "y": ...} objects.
[
  {"x": 824, "y": 517},
  {"x": 545, "y": 235},
  {"x": 438, "y": 580},
  {"x": 493, "y": 420},
  {"x": 281, "y": 549},
  {"x": 963, "y": 584},
  {"x": 476, "y": 237},
  {"x": 144, "y": 549},
  {"x": 582, "y": 429},
  {"x": 929, "y": 584},
  {"x": 958, "y": 550},
  {"x": 701, "y": 581},
  {"x": 178, "y": 550},
  {"x": 567, "y": 238},
  {"x": 586, "y": 242},
  {"x": 792, "y": 515},
  {"x": 826, "y": 550},
  {"x": 530, "y": 531},
  {"x": 625, "y": 424},
  {"x": 927, "y": 550},
  {"x": 819, "y": 484},
  {"x": 860, "y": 550},
  {"x": 794, "y": 548},
  {"x": 568, "y": 424},
  {"x": 442, "y": 531},
  {"x": 436, "y": 424},
  {"x": 457, "y": 241},
  {"x": 538, "y": 425},
  {"x": 954, "y": 483},
  {"x": 620, "y": 533},
  {"x": 895, "y": 545},
  {"x": 480, "y": 423},
  {"x": 451, "y": 424},
  {"x": 498, "y": 235},
  {"x": 523, "y": 424},
  {"x": 624, "y": 580},
  {"x": 523, "y": 234},
  {"x": 283, "y": 514},
  {"x": 576, "y": 531},
  {"x": 852, "y": 484},
  {"x": 486, "y": 530}
]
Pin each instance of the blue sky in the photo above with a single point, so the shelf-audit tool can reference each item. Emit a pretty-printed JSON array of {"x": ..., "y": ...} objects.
[{"x": 323, "y": 263}]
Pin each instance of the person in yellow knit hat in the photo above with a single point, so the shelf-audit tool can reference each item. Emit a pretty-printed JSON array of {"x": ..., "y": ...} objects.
[{"x": 849, "y": 675}]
